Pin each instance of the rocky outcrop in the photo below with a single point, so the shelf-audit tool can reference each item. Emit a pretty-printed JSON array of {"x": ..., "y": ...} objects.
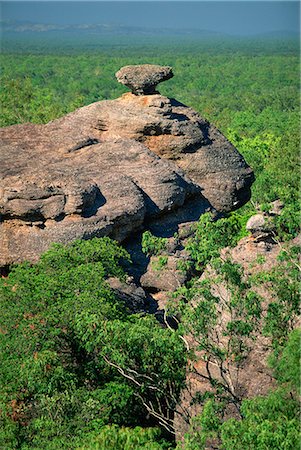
[
  {"x": 256, "y": 223},
  {"x": 134, "y": 297},
  {"x": 251, "y": 376},
  {"x": 54, "y": 194},
  {"x": 111, "y": 166},
  {"x": 176, "y": 132}
]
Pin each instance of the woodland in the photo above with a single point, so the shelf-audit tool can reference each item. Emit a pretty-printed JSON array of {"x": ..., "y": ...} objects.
[{"x": 78, "y": 371}]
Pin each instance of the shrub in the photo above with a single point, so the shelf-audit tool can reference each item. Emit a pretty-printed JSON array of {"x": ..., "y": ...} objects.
[{"x": 153, "y": 245}]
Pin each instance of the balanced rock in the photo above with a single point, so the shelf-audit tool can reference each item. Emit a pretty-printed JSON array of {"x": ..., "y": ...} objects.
[
  {"x": 143, "y": 79},
  {"x": 108, "y": 168}
]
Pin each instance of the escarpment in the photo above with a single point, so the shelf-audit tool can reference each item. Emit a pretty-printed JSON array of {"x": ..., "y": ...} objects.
[{"x": 110, "y": 167}]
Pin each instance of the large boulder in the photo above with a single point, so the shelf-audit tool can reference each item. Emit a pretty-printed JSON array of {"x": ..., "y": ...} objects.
[
  {"x": 176, "y": 132},
  {"x": 52, "y": 192},
  {"x": 109, "y": 167}
]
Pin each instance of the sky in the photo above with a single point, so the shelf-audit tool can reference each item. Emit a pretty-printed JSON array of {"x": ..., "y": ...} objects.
[{"x": 235, "y": 17}]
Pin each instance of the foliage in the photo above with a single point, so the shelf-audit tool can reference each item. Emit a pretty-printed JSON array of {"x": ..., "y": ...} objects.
[
  {"x": 108, "y": 437},
  {"x": 269, "y": 422},
  {"x": 153, "y": 245},
  {"x": 288, "y": 223},
  {"x": 222, "y": 323},
  {"x": 284, "y": 284},
  {"x": 70, "y": 347},
  {"x": 114, "y": 438},
  {"x": 105, "y": 251},
  {"x": 203, "y": 427},
  {"x": 135, "y": 349},
  {"x": 287, "y": 365},
  {"x": 211, "y": 236},
  {"x": 277, "y": 174}
]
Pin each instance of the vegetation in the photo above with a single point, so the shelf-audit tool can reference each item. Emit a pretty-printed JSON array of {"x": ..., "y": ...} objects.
[
  {"x": 211, "y": 236},
  {"x": 269, "y": 422},
  {"x": 152, "y": 245},
  {"x": 76, "y": 359},
  {"x": 81, "y": 369}
]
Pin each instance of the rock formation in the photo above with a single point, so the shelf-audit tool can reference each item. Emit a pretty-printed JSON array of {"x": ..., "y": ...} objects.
[
  {"x": 143, "y": 79},
  {"x": 107, "y": 168}
]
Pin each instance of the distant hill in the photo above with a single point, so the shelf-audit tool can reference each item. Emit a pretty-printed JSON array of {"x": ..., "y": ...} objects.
[
  {"x": 107, "y": 29},
  {"x": 101, "y": 28}
]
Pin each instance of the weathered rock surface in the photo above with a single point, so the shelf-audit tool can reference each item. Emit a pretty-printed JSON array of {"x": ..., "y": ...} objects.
[
  {"x": 276, "y": 208},
  {"x": 176, "y": 132},
  {"x": 104, "y": 170},
  {"x": 261, "y": 226},
  {"x": 133, "y": 296},
  {"x": 143, "y": 79},
  {"x": 166, "y": 277},
  {"x": 54, "y": 194},
  {"x": 258, "y": 222}
]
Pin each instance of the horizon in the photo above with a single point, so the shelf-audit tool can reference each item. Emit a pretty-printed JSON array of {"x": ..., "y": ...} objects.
[{"x": 244, "y": 18}]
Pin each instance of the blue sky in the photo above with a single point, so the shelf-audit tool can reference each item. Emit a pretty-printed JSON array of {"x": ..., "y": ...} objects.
[{"x": 235, "y": 17}]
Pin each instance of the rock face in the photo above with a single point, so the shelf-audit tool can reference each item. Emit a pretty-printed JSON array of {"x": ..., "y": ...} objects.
[
  {"x": 175, "y": 132},
  {"x": 131, "y": 295},
  {"x": 167, "y": 278},
  {"x": 109, "y": 167},
  {"x": 143, "y": 79}
]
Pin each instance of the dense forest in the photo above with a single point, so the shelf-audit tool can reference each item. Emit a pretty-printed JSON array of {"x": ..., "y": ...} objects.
[{"x": 81, "y": 371}]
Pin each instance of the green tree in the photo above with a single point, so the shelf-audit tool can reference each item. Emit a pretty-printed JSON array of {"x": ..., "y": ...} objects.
[{"x": 74, "y": 356}]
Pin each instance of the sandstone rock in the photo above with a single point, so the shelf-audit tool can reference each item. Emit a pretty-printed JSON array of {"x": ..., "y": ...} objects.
[
  {"x": 55, "y": 195},
  {"x": 109, "y": 167},
  {"x": 166, "y": 277},
  {"x": 260, "y": 224},
  {"x": 256, "y": 223},
  {"x": 133, "y": 296},
  {"x": 252, "y": 377},
  {"x": 176, "y": 132},
  {"x": 143, "y": 79}
]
